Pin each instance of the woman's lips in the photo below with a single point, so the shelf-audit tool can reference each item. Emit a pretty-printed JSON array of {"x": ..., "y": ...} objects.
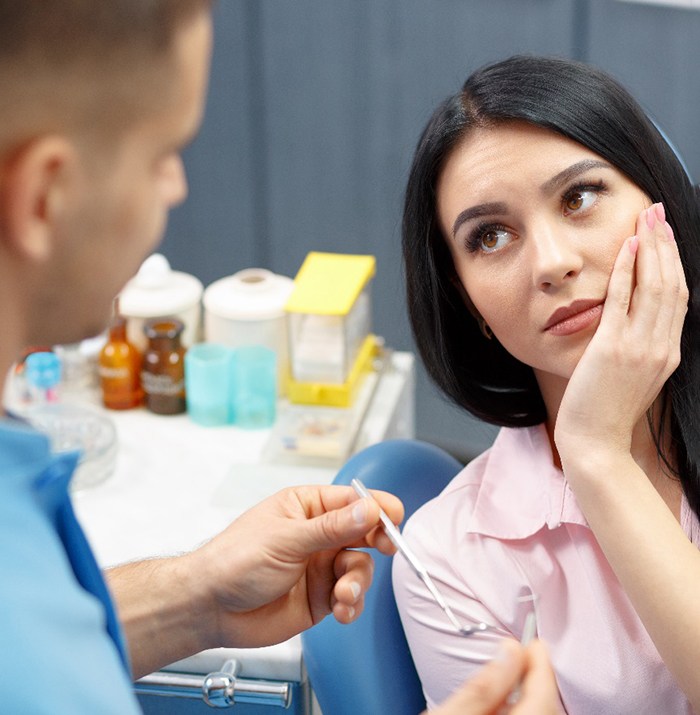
[{"x": 574, "y": 318}]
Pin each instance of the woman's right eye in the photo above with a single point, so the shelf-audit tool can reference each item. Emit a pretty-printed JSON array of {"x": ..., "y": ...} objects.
[{"x": 489, "y": 239}]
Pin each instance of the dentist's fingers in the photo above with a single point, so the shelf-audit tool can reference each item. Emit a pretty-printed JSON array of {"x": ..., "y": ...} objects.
[
  {"x": 486, "y": 692},
  {"x": 353, "y": 570},
  {"x": 539, "y": 693}
]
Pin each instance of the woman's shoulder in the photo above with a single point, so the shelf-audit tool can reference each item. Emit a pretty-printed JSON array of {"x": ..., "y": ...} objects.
[
  {"x": 458, "y": 497},
  {"x": 514, "y": 453}
]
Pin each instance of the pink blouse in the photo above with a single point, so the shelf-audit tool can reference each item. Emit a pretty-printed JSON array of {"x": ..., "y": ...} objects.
[{"x": 506, "y": 528}]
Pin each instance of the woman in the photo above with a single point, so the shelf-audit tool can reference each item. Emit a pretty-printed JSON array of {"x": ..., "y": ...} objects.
[{"x": 551, "y": 243}]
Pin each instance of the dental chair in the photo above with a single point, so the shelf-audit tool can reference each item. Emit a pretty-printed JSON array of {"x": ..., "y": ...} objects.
[{"x": 365, "y": 668}]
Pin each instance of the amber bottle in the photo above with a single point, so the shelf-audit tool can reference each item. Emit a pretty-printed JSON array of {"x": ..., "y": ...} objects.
[
  {"x": 163, "y": 371},
  {"x": 119, "y": 367}
]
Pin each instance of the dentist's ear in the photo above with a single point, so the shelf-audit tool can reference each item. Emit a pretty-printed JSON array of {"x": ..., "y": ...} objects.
[{"x": 32, "y": 188}]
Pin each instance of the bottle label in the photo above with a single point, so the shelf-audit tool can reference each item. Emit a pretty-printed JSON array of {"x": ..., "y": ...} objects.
[
  {"x": 161, "y": 384},
  {"x": 114, "y": 373}
]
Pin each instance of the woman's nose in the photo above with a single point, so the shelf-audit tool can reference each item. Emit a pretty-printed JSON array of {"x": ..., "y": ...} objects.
[{"x": 555, "y": 258}]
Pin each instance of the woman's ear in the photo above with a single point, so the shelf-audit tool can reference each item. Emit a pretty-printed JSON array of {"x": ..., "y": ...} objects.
[
  {"x": 461, "y": 290},
  {"x": 32, "y": 194},
  {"x": 459, "y": 287}
]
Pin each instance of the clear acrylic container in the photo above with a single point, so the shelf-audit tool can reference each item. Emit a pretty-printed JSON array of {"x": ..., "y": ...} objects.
[
  {"x": 72, "y": 427},
  {"x": 324, "y": 347}
]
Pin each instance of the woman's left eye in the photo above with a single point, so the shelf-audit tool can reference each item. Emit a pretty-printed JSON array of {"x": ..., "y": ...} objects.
[{"x": 580, "y": 198}]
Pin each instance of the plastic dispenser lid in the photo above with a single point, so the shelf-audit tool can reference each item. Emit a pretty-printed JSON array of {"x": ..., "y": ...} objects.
[
  {"x": 329, "y": 283},
  {"x": 251, "y": 294},
  {"x": 157, "y": 290}
]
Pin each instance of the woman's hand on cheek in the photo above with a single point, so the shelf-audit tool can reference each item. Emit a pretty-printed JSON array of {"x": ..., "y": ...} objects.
[{"x": 635, "y": 348}]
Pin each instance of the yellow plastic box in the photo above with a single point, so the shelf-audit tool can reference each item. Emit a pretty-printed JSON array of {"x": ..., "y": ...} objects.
[{"x": 329, "y": 315}]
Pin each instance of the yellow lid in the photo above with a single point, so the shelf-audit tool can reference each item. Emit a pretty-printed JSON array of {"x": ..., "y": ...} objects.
[{"x": 329, "y": 283}]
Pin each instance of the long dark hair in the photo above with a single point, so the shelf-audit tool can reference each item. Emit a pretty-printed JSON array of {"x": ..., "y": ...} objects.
[{"x": 590, "y": 107}]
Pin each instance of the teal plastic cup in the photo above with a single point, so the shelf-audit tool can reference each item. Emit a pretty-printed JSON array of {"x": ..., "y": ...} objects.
[
  {"x": 254, "y": 370},
  {"x": 208, "y": 384}
]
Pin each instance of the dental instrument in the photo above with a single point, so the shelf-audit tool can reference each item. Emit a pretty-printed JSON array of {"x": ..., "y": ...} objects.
[{"x": 400, "y": 543}]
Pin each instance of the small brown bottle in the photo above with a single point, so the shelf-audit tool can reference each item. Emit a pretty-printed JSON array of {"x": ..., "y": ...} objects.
[
  {"x": 119, "y": 367},
  {"x": 163, "y": 371}
]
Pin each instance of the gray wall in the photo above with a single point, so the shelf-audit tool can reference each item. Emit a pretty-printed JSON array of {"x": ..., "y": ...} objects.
[{"x": 315, "y": 107}]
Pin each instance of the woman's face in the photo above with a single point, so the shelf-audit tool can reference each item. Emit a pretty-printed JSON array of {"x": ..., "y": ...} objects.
[{"x": 534, "y": 222}]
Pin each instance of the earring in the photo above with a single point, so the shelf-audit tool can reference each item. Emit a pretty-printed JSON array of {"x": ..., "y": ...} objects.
[{"x": 485, "y": 329}]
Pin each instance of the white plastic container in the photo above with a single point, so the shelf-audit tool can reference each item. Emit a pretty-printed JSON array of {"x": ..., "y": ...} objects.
[
  {"x": 247, "y": 308},
  {"x": 157, "y": 291}
]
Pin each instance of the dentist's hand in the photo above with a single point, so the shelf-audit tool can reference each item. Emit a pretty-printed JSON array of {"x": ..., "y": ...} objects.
[
  {"x": 285, "y": 564},
  {"x": 489, "y": 691},
  {"x": 275, "y": 571}
]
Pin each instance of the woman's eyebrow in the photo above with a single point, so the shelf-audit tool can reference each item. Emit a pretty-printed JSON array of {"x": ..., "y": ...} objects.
[
  {"x": 563, "y": 177},
  {"x": 549, "y": 186},
  {"x": 476, "y": 212}
]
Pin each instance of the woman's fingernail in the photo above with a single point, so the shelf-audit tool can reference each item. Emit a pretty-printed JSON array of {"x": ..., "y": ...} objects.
[
  {"x": 633, "y": 245},
  {"x": 651, "y": 217},
  {"x": 669, "y": 232},
  {"x": 359, "y": 511},
  {"x": 355, "y": 589},
  {"x": 351, "y": 612},
  {"x": 660, "y": 212}
]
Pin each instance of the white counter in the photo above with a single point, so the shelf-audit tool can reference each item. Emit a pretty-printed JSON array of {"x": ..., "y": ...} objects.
[{"x": 177, "y": 484}]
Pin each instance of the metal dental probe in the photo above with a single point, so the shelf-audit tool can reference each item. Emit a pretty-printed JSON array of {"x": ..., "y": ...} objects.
[{"x": 400, "y": 543}]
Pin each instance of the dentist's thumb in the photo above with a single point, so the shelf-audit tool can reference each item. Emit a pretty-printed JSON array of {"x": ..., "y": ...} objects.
[{"x": 338, "y": 528}]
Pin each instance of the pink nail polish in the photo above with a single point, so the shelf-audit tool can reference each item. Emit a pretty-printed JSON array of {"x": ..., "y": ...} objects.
[
  {"x": 633, "y": 245},
  {"x": 669, "y": 232},
  {"x": 651, "y": 217},
  {"x": 660, "y": 212}
]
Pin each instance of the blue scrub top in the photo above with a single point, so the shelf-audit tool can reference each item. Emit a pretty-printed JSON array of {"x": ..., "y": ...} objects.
[{"x": 61, "y": 647}]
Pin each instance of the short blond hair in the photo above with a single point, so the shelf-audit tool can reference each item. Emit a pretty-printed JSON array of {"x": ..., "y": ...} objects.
[
  {"x": 69, "y": 31},
  {"x": 64, "y": 62}
]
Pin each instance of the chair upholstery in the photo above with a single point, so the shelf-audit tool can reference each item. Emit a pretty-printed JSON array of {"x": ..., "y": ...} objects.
[{"x": 366, "y": 668}]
